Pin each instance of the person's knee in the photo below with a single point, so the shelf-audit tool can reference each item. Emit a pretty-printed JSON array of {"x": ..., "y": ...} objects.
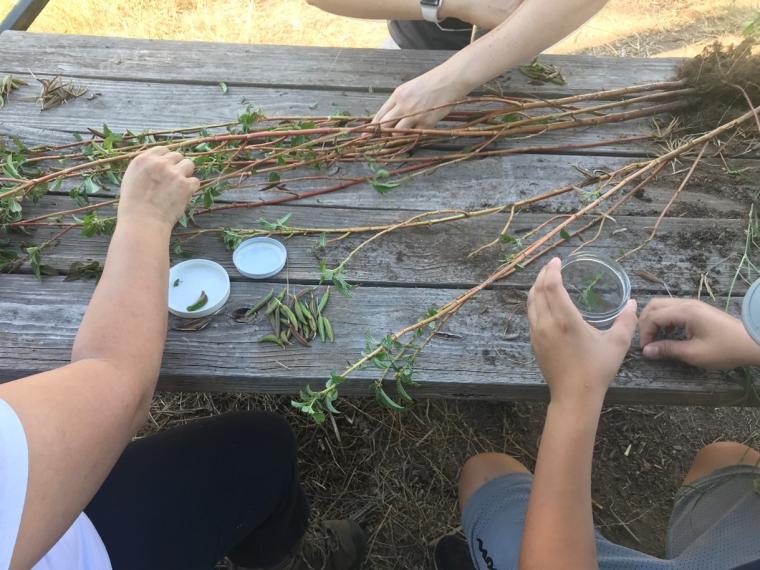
[
  {"x": 482, "y": 468},
  {"x": 720, "y": 454},
  {"x": 264, "y": 429}
]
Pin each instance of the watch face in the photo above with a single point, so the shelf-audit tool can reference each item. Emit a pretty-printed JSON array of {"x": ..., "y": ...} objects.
[{"x": 433, "y": 3}]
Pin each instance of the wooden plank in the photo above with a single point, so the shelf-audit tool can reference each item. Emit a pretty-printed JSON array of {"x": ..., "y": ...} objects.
[
  {"x": 476, "y": 358},
  {"x": 143, "y": 106},
  {"x": 291, "y": 66},
  {"x": 682, "y": 250}
]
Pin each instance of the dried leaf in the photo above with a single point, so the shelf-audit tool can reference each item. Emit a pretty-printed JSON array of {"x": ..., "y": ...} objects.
[{"x": 194, "y": 325}]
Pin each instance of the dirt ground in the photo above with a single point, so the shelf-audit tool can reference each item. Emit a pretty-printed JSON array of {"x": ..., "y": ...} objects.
[{"x": 397, "y": 474}]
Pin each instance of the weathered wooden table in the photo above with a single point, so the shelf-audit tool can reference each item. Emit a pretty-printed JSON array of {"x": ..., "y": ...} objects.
[{"x": 139, "y": 85}]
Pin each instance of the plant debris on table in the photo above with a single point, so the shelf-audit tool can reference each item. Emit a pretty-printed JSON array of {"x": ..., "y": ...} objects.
[
  {"x": 293, "y": 317},
  {"x": 7, "y": 85}
]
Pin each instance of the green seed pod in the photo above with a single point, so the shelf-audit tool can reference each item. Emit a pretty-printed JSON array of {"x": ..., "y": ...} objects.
[
  {"x": 258, "y": 305},
  {"x": 328, "y": 330},
  {"x": 321, "y": 327},
  {"x": 271, "y": 338},
  {"x": 323, "y": 301},
  {"x": 289, "y": 314}
]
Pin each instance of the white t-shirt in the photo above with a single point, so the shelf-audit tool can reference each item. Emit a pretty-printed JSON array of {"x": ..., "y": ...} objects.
[{"x": 80, "y": 548}]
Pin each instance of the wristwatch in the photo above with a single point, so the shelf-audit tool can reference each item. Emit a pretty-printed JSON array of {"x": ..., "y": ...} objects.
[{"x": 430, "y": 9}]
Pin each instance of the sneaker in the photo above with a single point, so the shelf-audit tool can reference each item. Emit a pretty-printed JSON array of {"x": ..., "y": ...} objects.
[
  {"x": 451, "y": 552},
  {"x": 329, "y": 545}
]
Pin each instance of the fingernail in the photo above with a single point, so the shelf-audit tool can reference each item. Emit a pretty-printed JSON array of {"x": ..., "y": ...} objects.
[{"x": 650, "y": 351}]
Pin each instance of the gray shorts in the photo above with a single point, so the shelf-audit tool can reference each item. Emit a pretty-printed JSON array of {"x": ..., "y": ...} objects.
[{"x": 715, "y": 525}]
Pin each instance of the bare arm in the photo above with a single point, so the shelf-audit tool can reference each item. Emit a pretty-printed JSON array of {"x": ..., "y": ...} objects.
[
  {"x": 79, "y": 418},
  {"x": 526, "y": 28},
  {"x": 578, "y": 363}
]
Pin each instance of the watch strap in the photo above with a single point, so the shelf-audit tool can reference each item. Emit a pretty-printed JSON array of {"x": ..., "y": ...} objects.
[{"x": 430, "y": 10}]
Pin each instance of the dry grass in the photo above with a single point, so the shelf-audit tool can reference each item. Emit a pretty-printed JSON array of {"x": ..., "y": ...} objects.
[
  {"x": 623, "y": 27},
  {"x": 240, "y": 21},
  {"x": 397, "y": 474}
]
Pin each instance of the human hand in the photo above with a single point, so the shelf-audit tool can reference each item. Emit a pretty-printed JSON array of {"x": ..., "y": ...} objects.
[
  {"x": 714, "y": 339},
  {"x": 578, "y": 361},
  {"x": 157, "y": 187},
  {"x": 434, "y": 90}
]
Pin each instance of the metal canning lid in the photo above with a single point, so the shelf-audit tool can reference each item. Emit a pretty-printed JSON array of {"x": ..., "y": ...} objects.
[
  {"x": 197, "y": 288},
  {"x": 260, "y": 257},
  {"x": 751, "y": 311},
  {"x": 598, "y": 286}
]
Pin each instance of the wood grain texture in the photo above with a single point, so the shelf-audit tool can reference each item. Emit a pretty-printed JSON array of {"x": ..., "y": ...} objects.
[
  {"x": 142, "y": 84},
  {"x": 475, "y": 359},
  {"x": 290, "y": 66},
  {"x": 436, "y": 256},
  {"x": 141, "y": 106}
]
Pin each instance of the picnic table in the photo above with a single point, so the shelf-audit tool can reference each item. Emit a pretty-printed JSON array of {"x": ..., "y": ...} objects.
[{"x": 485, "y": 351}]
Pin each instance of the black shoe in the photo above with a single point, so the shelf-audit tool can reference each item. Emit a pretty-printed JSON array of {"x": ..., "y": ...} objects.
[
  {"x": 329, "y": 545},
  {"x": 451, "y": 552}
]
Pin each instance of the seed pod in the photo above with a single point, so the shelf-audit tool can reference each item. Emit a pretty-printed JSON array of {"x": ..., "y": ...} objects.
[
  {"x": 200, "y": 303},
  {"x": 297, "y": 310},
  {"x": 300, "y": 338},
  {"x": 281, "y": 295},
  {"x": 271, "y": 307},
  {"x": 284, "y": 336},
  {"x": 274, "y": 319},
  {"x": 313, "y": 306},
  {"x": 321, "y": 327},
  {"x": 323, "y": 301},
  {"x": 305, "y": 310},
  {"x": 271, "y": 338},
  {"x": 328, "y": 330},
  {"x": 289, "y": 314},
  {"x": 258, "y": 305}
]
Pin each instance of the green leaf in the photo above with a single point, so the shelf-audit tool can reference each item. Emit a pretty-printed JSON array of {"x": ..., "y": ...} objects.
[
  {"x": 384, "y": 400},
  {"x": 274, "y": 177},
  {"x": 93, "y": 225},
  {"x": 81, "y": 270},
  {"x": 223, "y": 87},
  {"x": 323, "y": 240},
  {"x": 384, "y": 187},
  {"x": 563, "y": 234},
  {"x": 8, "y": 260},
  {"x": 90, "y": 186}
]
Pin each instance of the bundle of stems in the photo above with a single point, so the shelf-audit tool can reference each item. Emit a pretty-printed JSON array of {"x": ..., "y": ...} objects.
[{"x": 295, "y": 157}]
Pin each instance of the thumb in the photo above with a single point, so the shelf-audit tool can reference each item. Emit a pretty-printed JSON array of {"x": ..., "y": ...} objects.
[
  {"x": 625, "y": 324},
  {"x": 667, "y": 349}
]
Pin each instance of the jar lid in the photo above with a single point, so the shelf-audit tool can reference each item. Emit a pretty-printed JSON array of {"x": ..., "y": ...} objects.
[
  {"x": 751, "y": 311},
  {"x": 260, "y": 257},
  {"x": 197, "y": 288},
  {"x": 598, "y": 286}
]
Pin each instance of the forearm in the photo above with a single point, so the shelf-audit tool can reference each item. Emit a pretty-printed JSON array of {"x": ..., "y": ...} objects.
[
  {"x": 383, "y": 9},
  {"x": 559, "y": 529},
  {"x": 534, "y": 26},
  {"x": 125, "y": 323}
]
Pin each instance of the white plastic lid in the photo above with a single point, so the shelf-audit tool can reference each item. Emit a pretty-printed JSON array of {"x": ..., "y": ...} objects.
[
  {"x": 191, "y": 281},
  {"x": 751, "y": 311},
  {"x": 260, "y": 257}
]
